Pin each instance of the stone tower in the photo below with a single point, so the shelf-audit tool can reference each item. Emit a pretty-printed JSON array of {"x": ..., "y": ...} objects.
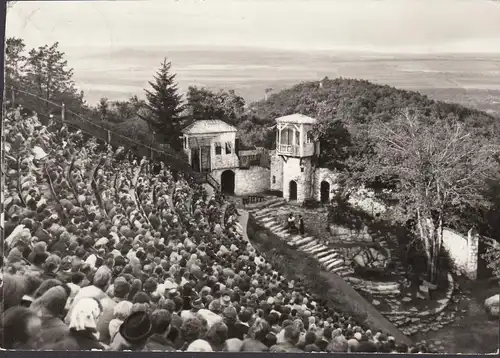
[{"x": 292, "y": 170}]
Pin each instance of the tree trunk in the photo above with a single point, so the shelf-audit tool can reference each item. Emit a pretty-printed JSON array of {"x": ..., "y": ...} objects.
[{"x": 431, "y": 235}]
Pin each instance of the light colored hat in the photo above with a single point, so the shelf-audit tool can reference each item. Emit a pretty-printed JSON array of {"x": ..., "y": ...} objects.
[
  {"x": 199, "y": 345},
  {"x": 84, "y": 314}
]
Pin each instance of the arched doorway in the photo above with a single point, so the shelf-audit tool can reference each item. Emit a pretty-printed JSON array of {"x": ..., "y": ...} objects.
[
  {"x": 293, "y": 190},
  {"x": 325, "y": 192},
  {"x": 227, "y": 182}
]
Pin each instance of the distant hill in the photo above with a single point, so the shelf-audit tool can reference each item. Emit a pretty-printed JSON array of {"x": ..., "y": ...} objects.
[
  {"x": 355, "y": 102},
  {"x": 469, "y": 79}
]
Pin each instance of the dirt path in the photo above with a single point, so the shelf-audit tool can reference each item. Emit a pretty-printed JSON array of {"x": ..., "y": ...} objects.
[{"x": 243, "y": 221}]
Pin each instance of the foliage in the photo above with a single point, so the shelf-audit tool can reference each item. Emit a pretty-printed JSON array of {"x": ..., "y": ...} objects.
[
  {"x": 356, "y": 104},
  {"x": 492, "y": 256},
  {"x": 225, "y": 105},
  {"x": 48, "y": 76},
  {"x": 336, "y": 144},
  {"x": 103, "y": 109},
  {"x": 121, "y": 111},
  {"x": 165, "y": 106},
  {"x": 436, "y": 166},
  {"x": 44, "y": 73},
  {"x": 346, "y": 110},
  {"x": 15, "y": 61}
]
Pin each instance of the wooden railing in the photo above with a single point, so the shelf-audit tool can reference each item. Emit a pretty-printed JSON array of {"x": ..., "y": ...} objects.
[
  {"x": 252, "y": 199},
  {"x": 288, "y": 149},
  {"x": 211, "y": 180}
]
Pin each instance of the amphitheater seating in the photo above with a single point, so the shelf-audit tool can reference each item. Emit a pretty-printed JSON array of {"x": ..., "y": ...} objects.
[{"x": 74, "y": 206}]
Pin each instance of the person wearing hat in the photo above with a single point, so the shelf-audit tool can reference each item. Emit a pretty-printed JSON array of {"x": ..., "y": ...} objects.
[
  {"x": 83, "y": 333},
  {"x": 199, "y": 345},
  {"x": 50, "y": 307},
  {"x": 133, "y": 333},
  {"x": 101, "y": 281},
  {"x": 196, "y": 304},
  {"x": 226, "y": 301},
  {"x": 64, "y": 273}
]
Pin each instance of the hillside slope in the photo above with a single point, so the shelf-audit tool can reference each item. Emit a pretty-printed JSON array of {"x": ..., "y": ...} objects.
[{"x": 353, "y": 101}]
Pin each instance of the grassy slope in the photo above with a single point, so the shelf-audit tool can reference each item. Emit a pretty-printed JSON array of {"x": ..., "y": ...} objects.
[{"x": 354, "y": 101}]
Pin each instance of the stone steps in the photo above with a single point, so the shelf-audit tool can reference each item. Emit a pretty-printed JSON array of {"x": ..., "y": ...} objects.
[
  {"x": 265, "y": 220},
  {"x": 267, "y": 210},
  {"x": 330, "y": 259},
  {"x": 309, "y": 246},
  {"x": 269, "y": 224},
  {"x": 303, "y": 240},
  {"x": 324, "y": 254},
  {"x": 264, "y": 204},
  {"x": 326, "y": 258},
  {"x": 334, "y": 264}
]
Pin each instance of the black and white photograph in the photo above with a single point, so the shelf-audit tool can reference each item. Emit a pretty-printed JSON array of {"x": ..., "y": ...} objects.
[{"x": 280, "y": 176}]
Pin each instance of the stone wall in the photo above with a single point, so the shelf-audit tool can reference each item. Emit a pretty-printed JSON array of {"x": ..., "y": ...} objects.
[
  {"x": 292, "y": 171},
  {"x": 463, "y": 251},
  {"x": 223, "y": 160},
  {"x": 247, "y": 181},
  {"x": 251, "y": 181},
  {"x": 344, "y": 234},
  {"x": 324, "y": 174},
  {"x": 472, "y": 254},
  {"x": 276, "y": 173}
]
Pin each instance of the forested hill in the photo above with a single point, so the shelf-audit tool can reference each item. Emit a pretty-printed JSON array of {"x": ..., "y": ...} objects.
[{"x": 354, "y": 102}]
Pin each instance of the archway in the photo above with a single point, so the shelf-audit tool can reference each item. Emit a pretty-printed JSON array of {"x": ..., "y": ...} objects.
[
  {"x": 325, "y": 192},
  {"x": 227, "y": 182},
  {"x": 293, "y": 190}
]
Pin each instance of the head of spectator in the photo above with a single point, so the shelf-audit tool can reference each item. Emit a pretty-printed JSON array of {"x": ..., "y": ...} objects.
[
  {"x": 199, "y": 345},
  {"x": 21, "y": 328}
]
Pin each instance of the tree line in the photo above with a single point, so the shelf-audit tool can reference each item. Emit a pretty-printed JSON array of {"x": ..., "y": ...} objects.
[{"x": 157, "y": 118}]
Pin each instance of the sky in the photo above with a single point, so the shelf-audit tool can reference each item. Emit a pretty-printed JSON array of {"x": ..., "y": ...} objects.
[{"x": 384, "y": 26}]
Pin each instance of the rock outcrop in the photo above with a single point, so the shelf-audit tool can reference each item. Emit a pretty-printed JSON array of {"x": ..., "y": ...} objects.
[
  {"x": 372, "y": 259},
  {"x": 492, "y": 306}
]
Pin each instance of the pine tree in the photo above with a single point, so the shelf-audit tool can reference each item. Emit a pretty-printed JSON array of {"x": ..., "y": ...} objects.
[{"x": 165, "y": 106}]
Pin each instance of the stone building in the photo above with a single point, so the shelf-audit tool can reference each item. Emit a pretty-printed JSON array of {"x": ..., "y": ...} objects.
[
  {"x": 294, "y": 169},
  {"x": 212, "y": 150}
]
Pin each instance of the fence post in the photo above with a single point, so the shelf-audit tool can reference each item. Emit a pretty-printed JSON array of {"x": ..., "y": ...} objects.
[
  {"x": 63, "y": 112},
  {"x": 108, "y": 136}
]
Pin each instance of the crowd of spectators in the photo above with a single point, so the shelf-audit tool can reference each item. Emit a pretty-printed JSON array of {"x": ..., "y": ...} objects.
[{"x": 105, "y": 251}]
